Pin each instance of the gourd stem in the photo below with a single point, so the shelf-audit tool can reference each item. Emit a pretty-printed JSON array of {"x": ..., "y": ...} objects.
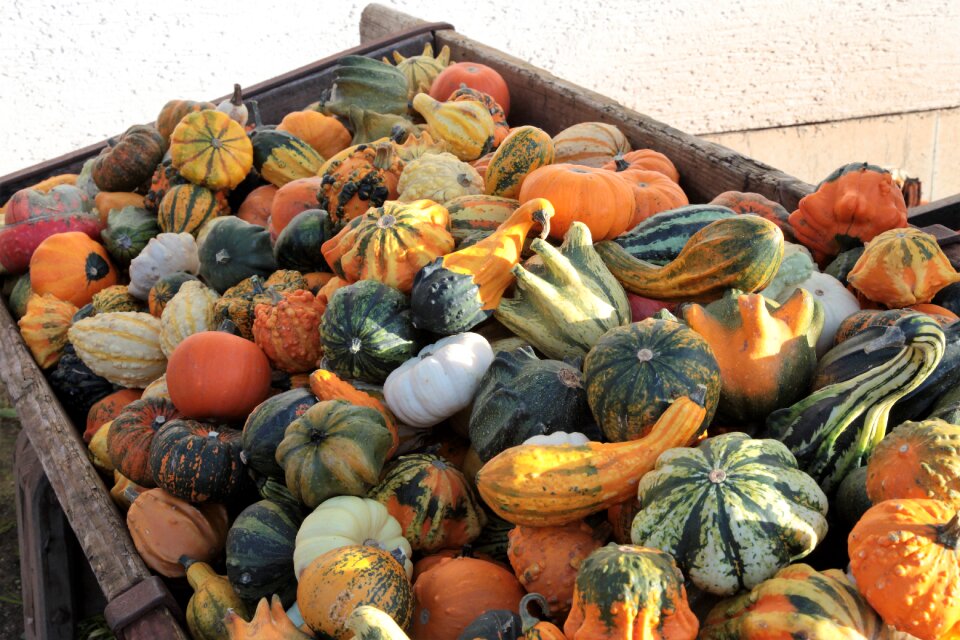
[
  {"x": 622, "y": 165},
  {"x": 237, "y": 98},
  {"x": 950, "y": 533},
  {"x": 384, "y": 156},
  {"x": 528, "y": 620}
]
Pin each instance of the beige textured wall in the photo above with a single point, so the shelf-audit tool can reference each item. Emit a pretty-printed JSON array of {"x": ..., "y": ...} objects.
[{"x": 74, "y": 73}]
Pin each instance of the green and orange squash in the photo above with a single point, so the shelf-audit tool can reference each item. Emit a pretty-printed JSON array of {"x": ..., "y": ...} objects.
[
  {"x": 359, "y": 178},
  {"x": 128, "y": 164},
  {"x": 479, "y": 214},
  {"x": 131, "y": 434},
  {"x": 264, "y": 429},
  {"x": 174, "y": 111},
  {"x": 211, "y": 149},
  {"x": 44, "y": 328},
  {"x": 196, "y": 461},
  {"x": 127, "y": 232},
  {"x": 526, "y": 148}
]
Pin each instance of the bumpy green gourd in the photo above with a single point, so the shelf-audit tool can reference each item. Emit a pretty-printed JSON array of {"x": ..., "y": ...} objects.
[
  {"x": 833, "y": 430},
  {"x": 563, "y": 307}
]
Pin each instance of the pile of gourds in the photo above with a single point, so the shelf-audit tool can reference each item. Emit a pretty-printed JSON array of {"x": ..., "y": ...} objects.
[{"x": 407, "y": 370}]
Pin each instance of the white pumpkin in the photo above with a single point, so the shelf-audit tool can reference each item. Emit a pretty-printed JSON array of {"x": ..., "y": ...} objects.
[
  {"x": 441, "y": 380},
  {"x": 558, "y": 438},
  {"x": 837, "y": 303},
  {"x": 165, "y": 254},
  {"x": 349, "y": 520}
]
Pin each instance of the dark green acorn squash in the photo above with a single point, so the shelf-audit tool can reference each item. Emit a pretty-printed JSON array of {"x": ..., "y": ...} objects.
[
  {"x": 635, "y": 372},
  {"x": 446, "y": 302},
  {"x": 260, "y": 548},
  {"x": 76, "y": 386},
  {"x": 196, "y": 461},
  {"x": 367, "y": 331},
  {"x": 128, "y": 232},
  {"x": 660, "y": 238},
  {"x": 844, "y": 263},
  {"x": 265, "y": 426},
  {"x": 298, "y": 245},
  {"x": 232, "y": 250},
  {"x": 852, "y": 500},
  {"x": 521, "y": 396}
]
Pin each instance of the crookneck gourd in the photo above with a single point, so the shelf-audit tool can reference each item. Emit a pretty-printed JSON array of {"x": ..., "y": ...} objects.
[
  {"x": 543, "y": 486},
  {"x": 736, "y": 253},
  {"x": 824, "y": 430},
  {"x": 563, "y": 307},
  {"x": 457, "y": 292},
  {"x": 766, "y": 352}
]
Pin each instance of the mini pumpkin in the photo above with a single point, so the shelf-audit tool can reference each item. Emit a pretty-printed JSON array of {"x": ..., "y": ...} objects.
[
  {"x": 196, "y": 461},
  {"x": 129, "y": 163},
  {"x": 592, "y": 144},
  {"x": 324, "y": 133},
  {"x": 132, "y": 433},
  {"x": 474, "y": 75},
  {"x": 187, "y": 207},
  {"x": 190, "y": 311},
  {"x": 465, "y": 125},
  {"x": 500, "y": 127},
  {"x": 916, "y": 460},
  {"x": 72, "y": 267},
  {"x": 439, "y": 177}
]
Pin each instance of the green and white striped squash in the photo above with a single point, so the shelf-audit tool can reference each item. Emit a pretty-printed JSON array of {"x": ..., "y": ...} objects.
[
  {"x": 190, "y": 311},
  {"x": 123, "y": 347},
  {"x": 525, "y": 149},
  {"x": 732, "y": 511},
  {"x": 660, "y": 238}
]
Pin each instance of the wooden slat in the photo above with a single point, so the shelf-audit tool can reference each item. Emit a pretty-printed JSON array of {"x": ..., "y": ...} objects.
[
  {"x": 542, "y": 99},
  {"x": 945, "y": 211}
]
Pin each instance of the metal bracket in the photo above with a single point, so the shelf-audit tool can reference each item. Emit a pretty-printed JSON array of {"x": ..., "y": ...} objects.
[{"x": 137, "y": 601}]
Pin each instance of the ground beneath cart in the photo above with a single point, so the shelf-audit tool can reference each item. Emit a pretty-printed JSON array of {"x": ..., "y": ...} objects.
[{"x": 11, "y": 604}]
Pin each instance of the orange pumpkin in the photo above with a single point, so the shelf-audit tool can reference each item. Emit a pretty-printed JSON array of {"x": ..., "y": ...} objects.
[
  {"x": 451, "y": 595},
  {"x": 645, "y": 159},
  {"x": 72, "y": 267},
  {"x": 905, "y": 558},
  {"x": 217, "y": 375},
  {"x": 601, "y": 199},
  {"x": 292, "y": 198},
  {"x": 255, "y": 208},
  {"x": 916, "y": 460},
  {"x": 475, "y": 76},
  {"x": 325, "y": 134},
  {"x": 289, "y": 331},
  {"x": 107, "y": 409},
  {"x": 653, "y": 192},
  {"x": 546, "y": 560},
  {"x": 44, "y": 328}
]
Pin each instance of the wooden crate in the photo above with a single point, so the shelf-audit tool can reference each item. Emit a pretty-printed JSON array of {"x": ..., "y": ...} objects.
[{"x": 538, "y": 98}]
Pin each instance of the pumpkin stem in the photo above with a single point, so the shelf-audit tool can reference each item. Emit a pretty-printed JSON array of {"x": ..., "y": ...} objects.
[
  {"x": 466, "y": 551},
  {"x": 384, "y": 156},
  {"x": 529, "y": 620},
  {"x": 622, "y": 165},
  {"x": 237, "y": 98},
  {"x": 949, "y": 535}
]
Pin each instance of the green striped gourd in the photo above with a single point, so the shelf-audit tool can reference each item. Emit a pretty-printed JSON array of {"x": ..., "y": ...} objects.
[
  {"x": 834, "y": 429},
  {"x": 281, "y": 157},
  {"x": 565, "y": 306},
  {"x": 478, "y": 214},
  {"x": 260, "y": 548},
  {"x": 732, "y": 511},
  {"x": 525, "y": 149},
  {"x": 660, "y": 238},
  {"x": 187, "y": 207},
  {"x": 743, "y": 253},
  {"x": 123, "y": 347}
]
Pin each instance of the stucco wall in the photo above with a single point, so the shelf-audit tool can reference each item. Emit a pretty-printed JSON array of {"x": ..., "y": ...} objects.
[{"x": 76, "y": 72}]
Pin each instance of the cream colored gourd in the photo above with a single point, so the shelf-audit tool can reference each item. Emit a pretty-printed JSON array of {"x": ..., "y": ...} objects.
[
  {"x": 166, "y": 253},
  {"x": 190, "y": 311},
  {"x": 440, "y": 381},
  {"x": 370, "y": 623},
  {"x": 558, "y": 438},
  {"x": 439, "y": 177},
  {"x": 589, "y": 143},
  {"x": 349, "y": 520},
  {"x": 157, "y": 389},
  {"x": 123, "y": 347},
  {"x": 837, "y": 302},
  {"x": 465, "y": 125}
]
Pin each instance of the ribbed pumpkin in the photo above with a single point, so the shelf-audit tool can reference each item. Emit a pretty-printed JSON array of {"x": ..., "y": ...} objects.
[
  {"x": 218, "y": 376},
  {"x": 187, "y": 207},
  {"x": 916, "y": 460},
  {"x": 123, "y": 347},
  {"x": 108, "y": 408},
  {"x": 367, "y": 332},
  {"x": 546, "y": 560},
  {"x": 334, "y": 448},
  {"x": 259, "y": 551},
  {"x": 281, "y": 157},
  {"x": 766, "y": 352},
  {"x": 71, "y": 267},
  {"x": 501, "y": 129},
  {"x": 190, "y": 311},
  {"x": 324, "y": 133},
  {"x": 212, "y": 598},
  {"x": 211, "y": 149},
  {"x": 129, "y": 163},
  {"x": 691, "y": 500},
  {"x": 451, "y": 595},
  {"x": 905, "y": 558},
  {"x": 390, "y": 244},
  {"x": 432, "y": 502},
  {"x": 852, "y": 205},
  {"x": 797, "y": 602},
  {"x": 593, "y": 144},
  {"x": 465, "y": 125},
  {"x": 255, "y": 208},
  {"x": 757, "y": 205},
  {"x": 289, "y": 331},
  {"x": 127, "y": 233},
  {"x": 174, "y": 111},
  {"x": 627, "y": 591},
  {"x": 365, "y": 177},
  {"x": 238, "y": 303},
  {"x": 340, "y": 580},
  {"x": 439, "y": 177},
  {"x": 523, "y": 151},
  {"x": 132, "y": 433},
  {"x": 269, "y": 622},
  {"x": 634, "y": 372},
  {"x": 653, "y": 192},
  {"x": 165, "y": 288},
  {"x": 646, "y": 160},
  {"x": 165, "y": 528},
  {"x": 196, "y": 461},
  {"x": 115, "y": 298},
  {"x": 600, "y": 199},
  {"x": 743, "y": 253},
  {"x": 44, "y": 328},
  {"x": 901, "y": 267}
]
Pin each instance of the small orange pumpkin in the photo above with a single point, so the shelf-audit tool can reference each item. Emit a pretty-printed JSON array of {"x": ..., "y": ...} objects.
[
  {"x": 255, "y": 208},
  {"x": 653, "y": 192},
  {"x": 916, "y": 460},
  {"x": 325, "y": 134},
  {"x": 366, "y": 177},
  {"x": 71, "y": 267},
  {"x": 645, "y": 159},
  {"x": 291, "y": 199}
]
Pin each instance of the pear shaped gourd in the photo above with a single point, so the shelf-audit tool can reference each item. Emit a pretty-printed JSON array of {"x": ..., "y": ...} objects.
[
  {"x": 465, "y": 125},
  {"x": 212, "y": 597},
  {"x": 566, "y": 306},
  {"x": 766, "y": 351}
]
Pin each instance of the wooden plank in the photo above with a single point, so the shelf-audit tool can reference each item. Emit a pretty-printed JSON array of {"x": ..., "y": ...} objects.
[
  {"x": 539, "y": 98},
  {"x": 97, "y": 523},
  {"x": 945, "y": 211}
]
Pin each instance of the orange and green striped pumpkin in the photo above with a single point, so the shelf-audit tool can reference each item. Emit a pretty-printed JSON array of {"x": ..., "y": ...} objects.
[
  {"x": 525, "y": 149},
  {"x": 342, "y": 579},
  {"x": 165, "y": 288},
  {"x": 187, "y": 207},
  {"x": 635, "y": 372},
  {"x": 390, "y": 244},
  {"x": 115, "y": 298},
  {"x": 196, "y": 461},
  {"x": 211, "y": 149},
  {"x": 478, "y": 214},
  {"x": 593, "y": 144},
  {"x": 132, "y": 432}
]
